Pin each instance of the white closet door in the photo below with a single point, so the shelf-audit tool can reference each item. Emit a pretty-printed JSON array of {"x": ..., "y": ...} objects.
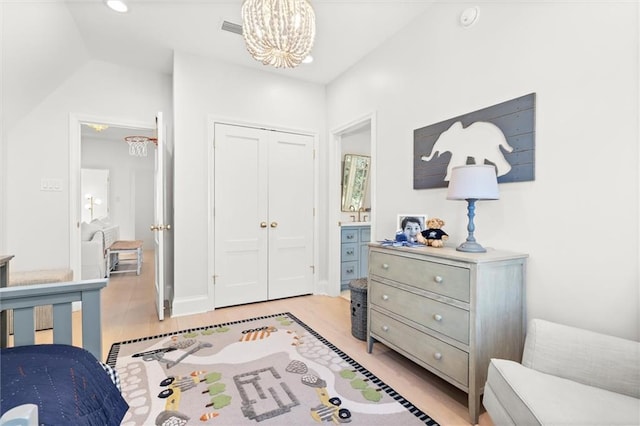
[
  {"x": 291, "y": 208},
  {"x": 240, "y": 207},
  {"x": 263, "y": 204}
]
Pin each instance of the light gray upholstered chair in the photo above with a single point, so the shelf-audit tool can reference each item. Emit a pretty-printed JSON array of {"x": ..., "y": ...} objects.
[{"x": 568, "y": 376}]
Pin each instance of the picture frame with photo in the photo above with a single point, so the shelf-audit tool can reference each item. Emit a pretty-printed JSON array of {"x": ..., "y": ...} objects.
[{"x": 407, "y": 225}]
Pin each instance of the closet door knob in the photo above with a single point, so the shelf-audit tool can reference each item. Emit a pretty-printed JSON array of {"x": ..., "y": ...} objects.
[
  {"x": 274, "y": 224},
  {"x": 263, "y": 224}
]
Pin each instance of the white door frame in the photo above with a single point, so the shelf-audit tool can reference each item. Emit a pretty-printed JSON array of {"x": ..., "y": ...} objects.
[
  {"x": 75, "y": 163},
  {"x": 335, "y": 196},
  {"x": 211, "y": 121},
  {"x": 159, "y": 219}
]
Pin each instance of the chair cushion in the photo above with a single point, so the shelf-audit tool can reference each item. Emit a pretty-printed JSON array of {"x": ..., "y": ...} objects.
[{"x": 530, "y": 397}]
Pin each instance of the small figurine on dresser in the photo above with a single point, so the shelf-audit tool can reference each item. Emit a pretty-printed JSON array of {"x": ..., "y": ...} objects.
[{"x": 433, "y": 236}]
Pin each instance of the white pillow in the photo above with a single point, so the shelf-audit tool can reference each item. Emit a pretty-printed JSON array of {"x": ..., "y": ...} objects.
[{"x": 87, "y": 230}]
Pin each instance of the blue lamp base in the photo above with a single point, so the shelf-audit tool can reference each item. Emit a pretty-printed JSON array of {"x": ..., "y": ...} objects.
[{"x": 471, "y": 246}]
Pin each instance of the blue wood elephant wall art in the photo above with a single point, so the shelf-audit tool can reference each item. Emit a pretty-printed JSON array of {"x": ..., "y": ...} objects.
[{"x": 501, "y": 135}]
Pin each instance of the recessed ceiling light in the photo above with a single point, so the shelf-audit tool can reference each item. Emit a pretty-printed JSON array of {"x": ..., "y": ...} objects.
[
  {"x": 97, "y": 127},
  {"x": 117, "y": 5}
]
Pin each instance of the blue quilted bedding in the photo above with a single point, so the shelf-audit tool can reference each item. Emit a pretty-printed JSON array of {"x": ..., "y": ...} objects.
[{"x": 67, "y": 383}]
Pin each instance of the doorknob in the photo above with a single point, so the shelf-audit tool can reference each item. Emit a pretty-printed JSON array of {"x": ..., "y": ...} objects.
[
  {"x": 160, "y": 227},
  {"x": 263, "y": 224},
  {"x": 274, "y": 224}
]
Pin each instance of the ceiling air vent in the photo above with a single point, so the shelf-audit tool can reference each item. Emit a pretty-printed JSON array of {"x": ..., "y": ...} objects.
[{"x": 231, "y": 27}]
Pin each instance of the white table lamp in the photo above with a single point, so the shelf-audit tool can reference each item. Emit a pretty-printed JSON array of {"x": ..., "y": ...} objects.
[{"x": 472, "y": 183}]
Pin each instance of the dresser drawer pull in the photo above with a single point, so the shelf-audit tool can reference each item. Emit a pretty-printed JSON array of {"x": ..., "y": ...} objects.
[
  {"x": 385, "y": 328},
  {"x": 385, "y": 297},
  {"x": 350, "y": 252},
  {"x": 437, "y": 356},
  {"x": 385, "y": 266},
  {"x": 349, "y": 271},
  {"x": 437, "y": 317},
  {"x": 350, "y": 237},
  {"x": 438, "y": 279}
]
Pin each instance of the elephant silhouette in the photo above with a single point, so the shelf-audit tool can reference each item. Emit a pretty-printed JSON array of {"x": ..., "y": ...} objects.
[{"x": 480, "y": 140}]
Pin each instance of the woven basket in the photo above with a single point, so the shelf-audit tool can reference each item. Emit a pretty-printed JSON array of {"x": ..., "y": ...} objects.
[{"x": 359, "y": 308}]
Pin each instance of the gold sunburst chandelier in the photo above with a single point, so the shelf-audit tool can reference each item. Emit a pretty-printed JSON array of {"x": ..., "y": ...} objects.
[{"x": 278, "y": 32}]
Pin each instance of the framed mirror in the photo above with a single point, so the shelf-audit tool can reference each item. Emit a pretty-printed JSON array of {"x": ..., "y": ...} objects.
[{"x": 355, "y": 176}]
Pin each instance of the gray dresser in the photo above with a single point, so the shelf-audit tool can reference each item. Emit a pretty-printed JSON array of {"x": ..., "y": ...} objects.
[
  {"x": 354, "y": 250},
  {"x": 448, "y": 311}
]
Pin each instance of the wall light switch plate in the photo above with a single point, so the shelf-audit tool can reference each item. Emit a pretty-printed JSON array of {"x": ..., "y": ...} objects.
[{"x": 50, "y": 184}]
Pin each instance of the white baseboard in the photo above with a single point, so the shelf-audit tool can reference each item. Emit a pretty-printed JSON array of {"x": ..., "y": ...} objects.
[
  {"x": 190, "y": 305},
  {"x": 324, "y": 288}
]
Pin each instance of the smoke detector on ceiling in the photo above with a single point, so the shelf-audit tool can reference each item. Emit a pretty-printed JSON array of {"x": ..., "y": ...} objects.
[{"x": 469, "y": 16}]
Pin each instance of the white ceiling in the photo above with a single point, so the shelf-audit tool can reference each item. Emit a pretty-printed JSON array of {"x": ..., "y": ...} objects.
[{"x": 146, "y": 36}]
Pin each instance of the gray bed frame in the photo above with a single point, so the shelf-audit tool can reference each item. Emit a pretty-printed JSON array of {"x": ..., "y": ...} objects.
[{"x": 24, "y": 299}]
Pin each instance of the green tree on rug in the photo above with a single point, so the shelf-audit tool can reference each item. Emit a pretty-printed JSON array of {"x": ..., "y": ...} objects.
[
  {"x": 219, "y": 401},
  {"x": 215, "y": 389},
  {"x": 370, "y": 394}
]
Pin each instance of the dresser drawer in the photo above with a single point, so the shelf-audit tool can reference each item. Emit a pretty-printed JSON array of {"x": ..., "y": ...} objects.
[
  {"x": 349, "y": 271},
  {"x": 350, "y": 235},
  {"x": 446, "y": 319},
  {"x": 443, "y": 357},
  {"x": 447, "y": 280}
]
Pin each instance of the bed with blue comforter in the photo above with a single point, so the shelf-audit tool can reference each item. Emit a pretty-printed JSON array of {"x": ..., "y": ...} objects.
[{"x": 68, "y": 384}]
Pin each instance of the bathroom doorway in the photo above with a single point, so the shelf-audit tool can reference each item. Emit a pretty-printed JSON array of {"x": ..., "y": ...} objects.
[{"x": 358, "y": 135}]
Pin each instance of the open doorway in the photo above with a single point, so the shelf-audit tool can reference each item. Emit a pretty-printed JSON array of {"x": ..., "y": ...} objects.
[
  {"x": 100, "y": 144},
  {"x": 356, "y": 137},
  {"x": 130, "y": 197}
]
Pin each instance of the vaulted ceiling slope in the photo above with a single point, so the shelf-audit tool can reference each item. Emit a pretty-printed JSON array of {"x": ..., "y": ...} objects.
[
  {"x": 41, "y": 47},
  {"x": 44, "y": 42}
]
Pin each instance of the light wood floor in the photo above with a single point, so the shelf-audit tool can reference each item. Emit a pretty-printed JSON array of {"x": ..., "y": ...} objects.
[{"x": 128, "y": 312}]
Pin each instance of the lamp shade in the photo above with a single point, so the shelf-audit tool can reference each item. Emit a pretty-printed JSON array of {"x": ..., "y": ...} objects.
[{"x": 478, "y": 182}]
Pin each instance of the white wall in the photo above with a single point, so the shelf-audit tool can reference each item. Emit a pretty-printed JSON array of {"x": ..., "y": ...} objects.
[
  {"x": 578, "y": 220},
  {"x": 204, "y": 87},
  {"x": 38, "y": 147},
  {"x": 40, "y": 47}
]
